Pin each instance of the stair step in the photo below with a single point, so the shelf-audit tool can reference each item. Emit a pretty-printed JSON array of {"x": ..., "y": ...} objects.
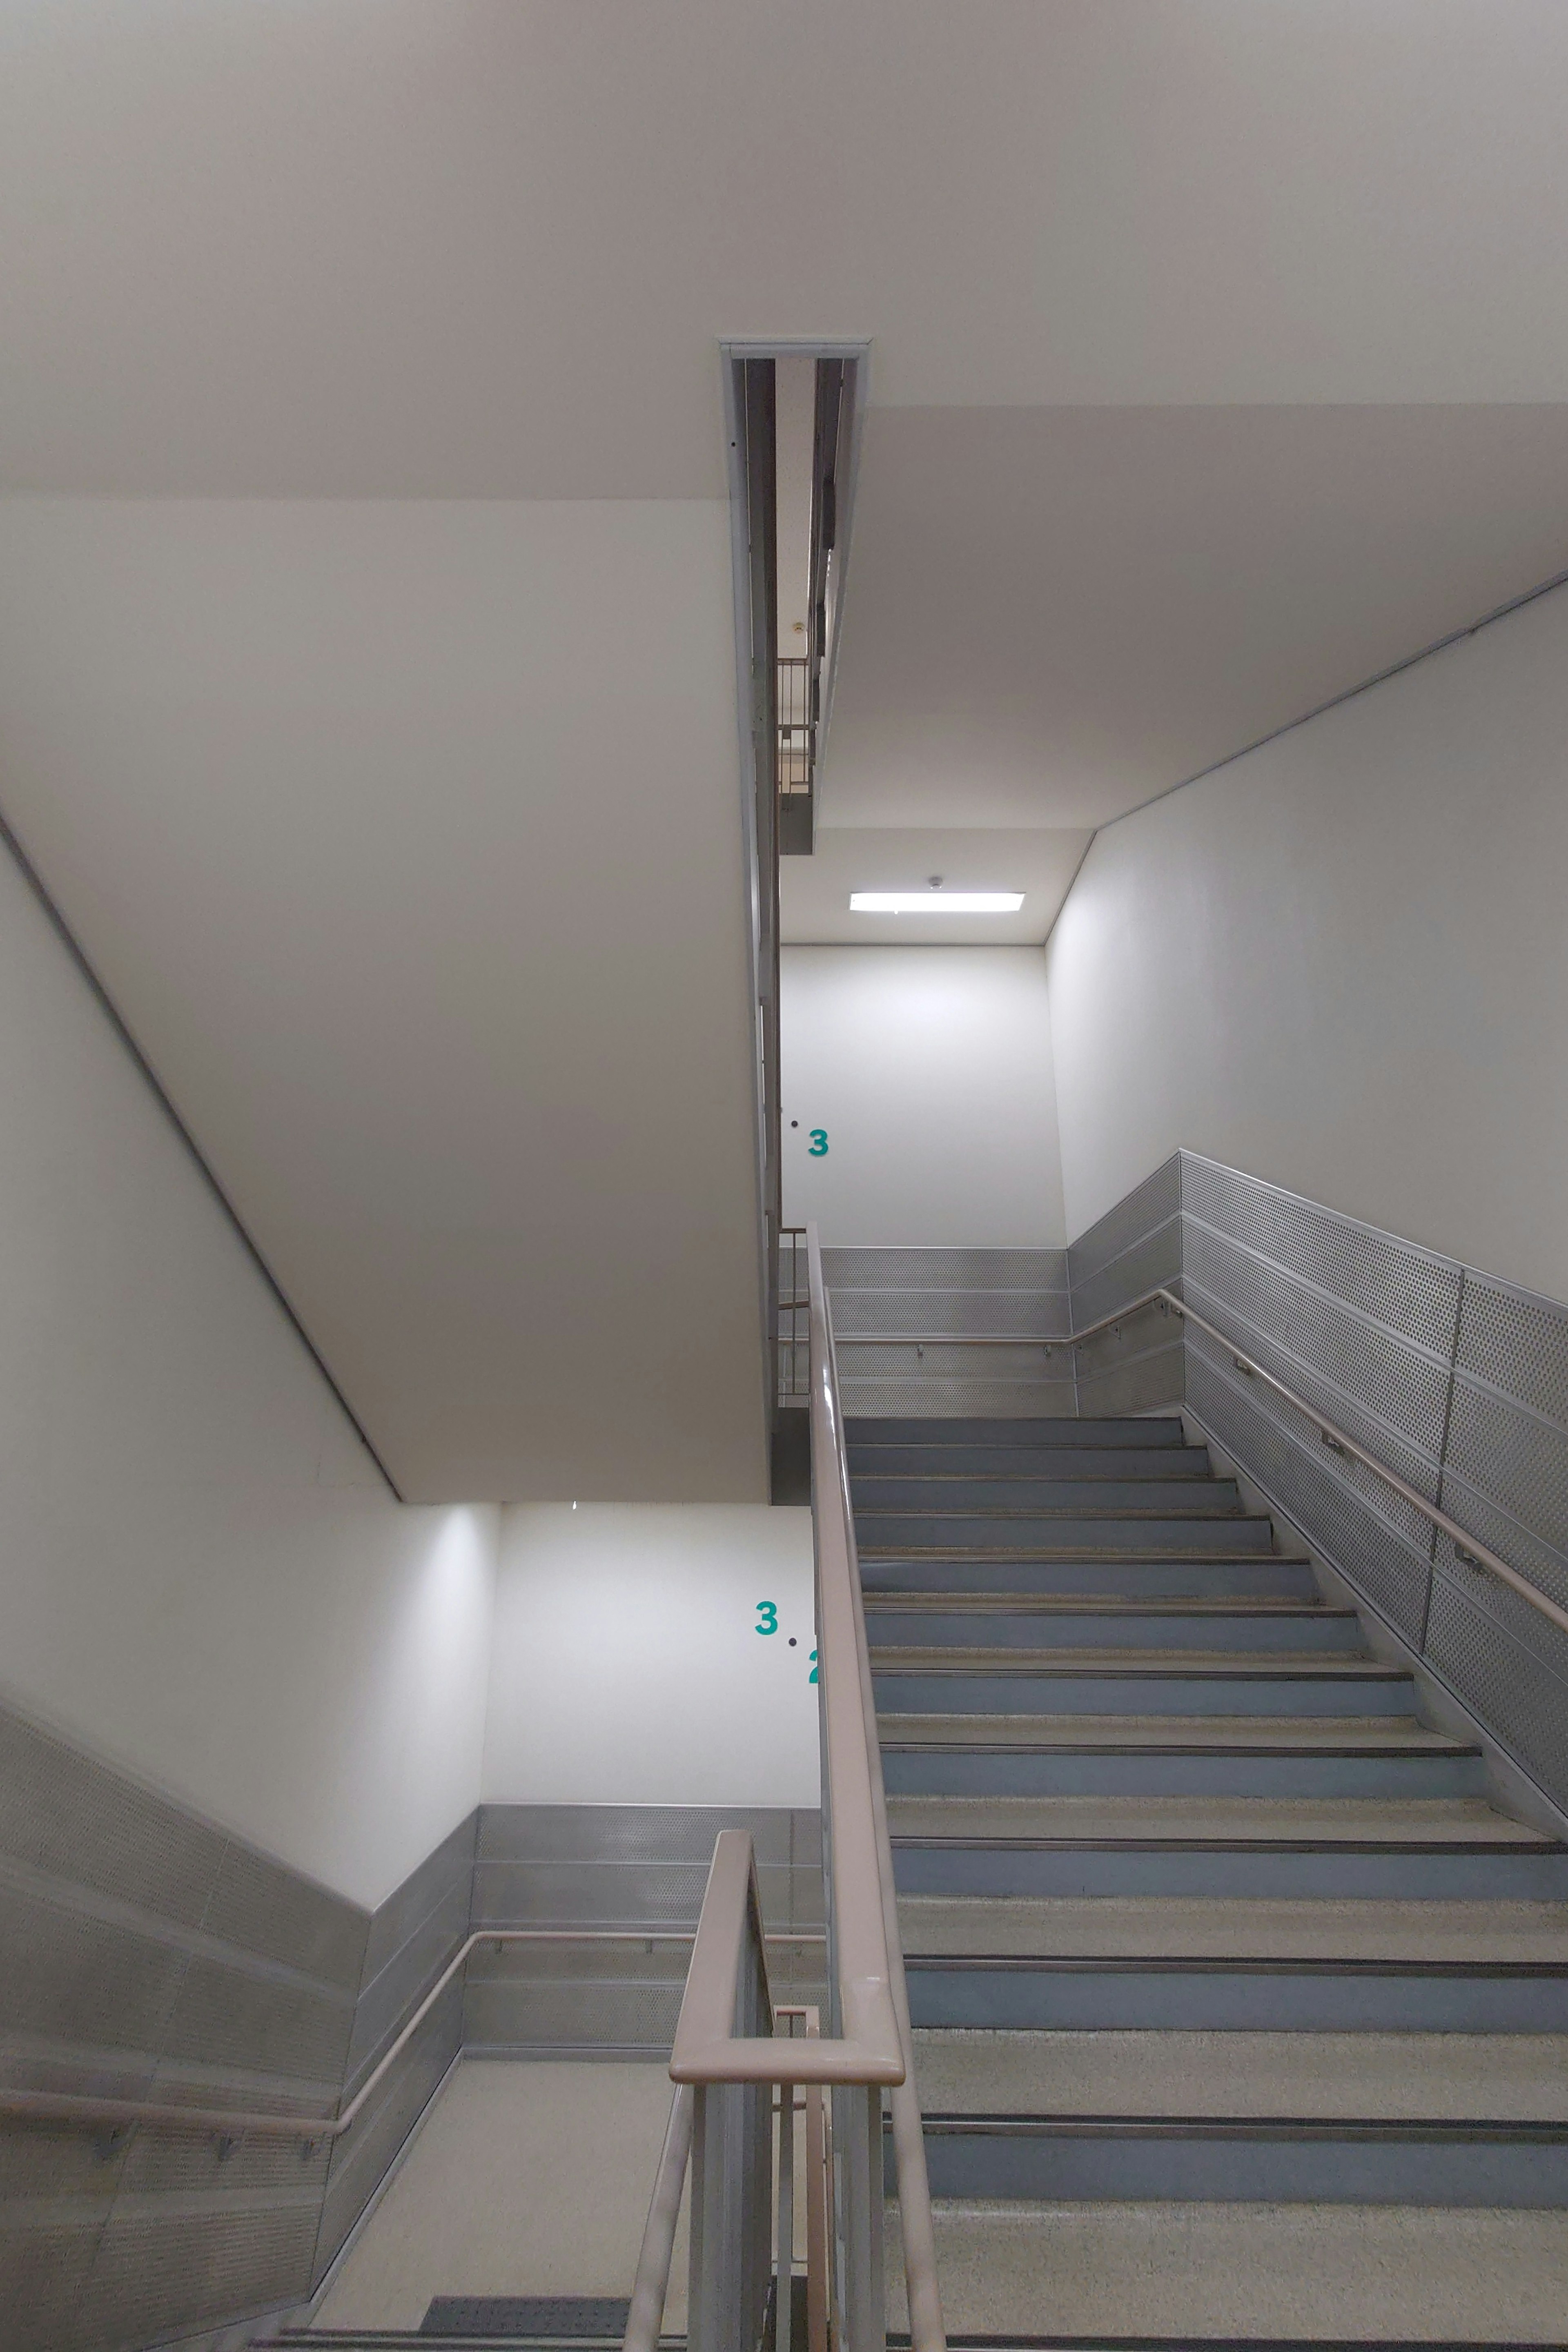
[
  {"x": 1347, "y": 1734},
  {"x": 1018, "y": 1684},
  {"x": 1204, "y": 2159},
  {"x": 1302, "y": 1998},
  {"x": 933, "y": 1491},
  {"x": 1327, "y": 1866},
  {"x": 1078, "y": 1533},
  {"x": 1026, "y": 2273},
  {"x": 1158, "y": 1929},
  {"x": 1008, "y": 1768},
  {"x": 1063, "y": 1461},
  {"x": 1044, "y": 1429},
  {"x": 1407, "y": 2077},
  {"x": 1061, "y": 1821},
  {"x": 1243, "y": 1577},
  {"x": 927, "y": 1620}
]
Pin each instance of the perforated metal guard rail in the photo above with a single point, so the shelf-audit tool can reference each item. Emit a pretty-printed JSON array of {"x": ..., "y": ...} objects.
[
  {"x": 1470, "y": 1549},
  {"x": 872, "y": 2049},
  {"x": 245, "y": 2123}
]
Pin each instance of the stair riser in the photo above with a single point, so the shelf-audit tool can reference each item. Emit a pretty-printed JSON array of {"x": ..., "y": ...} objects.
[
  {"x": 1090, "y": 1692},
  {"x": 1105, "y": 1580},
  {"x": 1252, "y": 2170},
  {"x": 1409, "y": 1873},
  {"x": 954, "y": 1772},
  {"x": 1314, "y": 1633},
  {"x": 1211, "y": 1495},
  {"x": 1199, "y": 2001},
  {"x": 885, "y": 1532},
  {"x": 1026, "y": 1461},
  {"x": 1044, "y": 1429}
]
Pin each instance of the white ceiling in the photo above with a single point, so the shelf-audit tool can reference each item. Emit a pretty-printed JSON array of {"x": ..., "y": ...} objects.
[
  {"x": 1055, "y": 614},
  {"x": 813, "y": 892},
  {"x": 405, "y": 837},
  {"x": 406, "y": 832}
]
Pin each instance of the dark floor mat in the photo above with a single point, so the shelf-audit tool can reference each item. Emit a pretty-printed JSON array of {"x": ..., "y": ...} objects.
[{"x": 562, "y": 2317}]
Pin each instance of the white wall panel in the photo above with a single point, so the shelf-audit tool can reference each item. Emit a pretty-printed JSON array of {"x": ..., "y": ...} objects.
[
  {"x": 202, "y": 1576},
  {"x": 1340, "y": 963},
  {"x": 627, "y": 1665},
  {"x": 929, "y": 1070}
]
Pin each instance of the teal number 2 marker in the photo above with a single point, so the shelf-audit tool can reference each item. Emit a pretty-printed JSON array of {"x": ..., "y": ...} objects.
[
  {"x": 768, "y": 1611},
  {"x": 812, "y": 1676},
  {"x": 818, "y": 1147}
]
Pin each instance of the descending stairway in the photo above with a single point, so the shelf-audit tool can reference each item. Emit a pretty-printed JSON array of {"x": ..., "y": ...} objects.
[{"x": 1240, "y": 2013}]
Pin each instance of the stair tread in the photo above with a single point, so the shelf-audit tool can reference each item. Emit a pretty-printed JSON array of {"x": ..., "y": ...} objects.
[
  {"x": 1362, "y": 1735},
  {"x": 1227, "y": 1928},
  {"x": 1404, "y": 1821},
  {"x": 1025, "y": 2272},
  {"x": 1110, "y": 1604},
  {"x": 942, "y": 1658},
  {"x": 1166, "y": 2072}
]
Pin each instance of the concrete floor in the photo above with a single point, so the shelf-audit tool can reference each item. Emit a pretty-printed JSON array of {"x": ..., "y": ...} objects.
[{"x": 526, "y": 2178}]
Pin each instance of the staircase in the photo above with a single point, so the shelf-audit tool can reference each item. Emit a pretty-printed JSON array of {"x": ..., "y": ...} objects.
[{"x": 1241, "y": 2014}]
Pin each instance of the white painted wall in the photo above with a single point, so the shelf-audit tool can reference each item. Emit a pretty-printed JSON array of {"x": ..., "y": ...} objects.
[
  {"x": 930, "y": 1071},
  {"x": 627, "y": 1667},
  {"x": 1341, "y": 963},
  {"x": 202, "y": 1576}
]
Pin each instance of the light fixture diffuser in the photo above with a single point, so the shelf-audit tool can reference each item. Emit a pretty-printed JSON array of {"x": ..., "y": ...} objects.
[{"x": 935, "y": 902}]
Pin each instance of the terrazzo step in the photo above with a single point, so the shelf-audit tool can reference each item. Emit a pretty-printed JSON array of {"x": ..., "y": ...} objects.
[
  {"x": 1373, "y": 1734},
  {"x": 1061, "y": 1461},
  {"x": 1076, "y": 1533},
  {"x": 932, "y": 1491},
  {"x": 1347, "y": 2160},
  {"x": 1126, "y": 2274},
  {"x": 1396, "y": 2076},
  {"x": 1265, "y": 1848},
  {"x": 1171, "y": 1768},
  {"x": 1100, "y": 1576},
  {"x": 1037, "y": 1429},
  {"x": 1171, "y": 1927},
  {"x": 930, "y": 1622},
  {"x": 909, "y": 1682}
]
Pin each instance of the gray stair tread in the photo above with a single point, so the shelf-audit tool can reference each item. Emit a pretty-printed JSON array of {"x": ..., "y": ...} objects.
[
  {"x": 1404, "y": 1820},
  {"x": 1372, "y": 1735},
  {"x": 1230, "y": 1928},
  {"x": 1393, "y": 2273},
  {"x": 1046, "y": 1605},
  {"x": 889, "y": 1657},
  {"x": 1365, "y": 2076}
]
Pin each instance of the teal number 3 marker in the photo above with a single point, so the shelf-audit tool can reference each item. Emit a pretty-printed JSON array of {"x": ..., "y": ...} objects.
[
  {"x": 769, "y": 1612},
  {"x": 817, "y": 1148}
]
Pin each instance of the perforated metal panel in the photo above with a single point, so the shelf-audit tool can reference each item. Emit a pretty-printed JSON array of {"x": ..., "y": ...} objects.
[
  {"x": 1457, "y": 1381},
  {"x": 1411, "y": 1290},
  {"x": 1344, "y": 1356},
  {"x": 944, "y": 1269},
  {"x": 1386, "y": 1563},
  {"x": 1149, "y": 1204},
  {"x": 943, "y": 1397}
]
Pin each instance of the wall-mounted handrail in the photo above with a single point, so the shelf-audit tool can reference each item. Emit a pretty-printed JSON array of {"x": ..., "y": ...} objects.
[
  {"x": 244, "y": 2123},
  {"x": 1470, "y": 1549}
]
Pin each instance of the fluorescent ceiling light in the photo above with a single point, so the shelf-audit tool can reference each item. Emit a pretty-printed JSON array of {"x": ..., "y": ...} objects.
[{"x": 935, "y": 902}]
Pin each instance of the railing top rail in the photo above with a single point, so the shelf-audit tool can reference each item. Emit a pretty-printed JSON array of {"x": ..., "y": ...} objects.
[{"x": 1471, "y": 1549}]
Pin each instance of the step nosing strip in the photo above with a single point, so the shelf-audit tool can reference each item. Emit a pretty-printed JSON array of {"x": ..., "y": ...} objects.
[
  {"x": 1122, "y": 1964},
  {"x": 953, "y": 1842},
  {"x": 1426, "y": 2130}
]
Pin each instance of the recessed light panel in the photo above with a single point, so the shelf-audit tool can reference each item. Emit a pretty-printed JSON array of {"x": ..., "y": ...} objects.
[{"x": 935, "y": 902}]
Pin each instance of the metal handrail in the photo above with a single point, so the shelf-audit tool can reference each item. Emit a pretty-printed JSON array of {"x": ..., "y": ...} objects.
[
  {"x": 873, "y": 2050},
  {"x": 1470, "y": 1549},
  {"x": 84, "y": 2107}
]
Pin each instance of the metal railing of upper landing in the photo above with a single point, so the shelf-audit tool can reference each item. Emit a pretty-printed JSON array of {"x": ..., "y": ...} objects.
[{"x": 728, "y": 2057}]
